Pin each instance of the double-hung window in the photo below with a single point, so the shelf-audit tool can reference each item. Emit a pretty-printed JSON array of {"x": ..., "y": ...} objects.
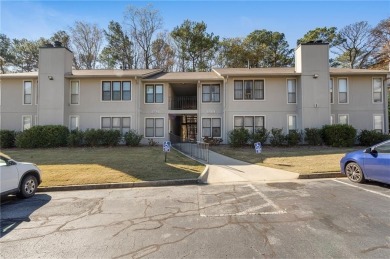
[
  {"x": 73, "y": 122},
  {"x": 27, "y": 92},
  {"x": 249, "y": 90},
  {"x": 251, "y": 123},
  {"x": 116, "y": 123},
  {"x": 116, "y": 90},
  {"x": 331, "y": 90},
  {"x": 378, "y": 123},
  {"x": 292, "y": 123},
  {"x": 211, "y": 93},
  {"x": 74, "y": 92},
  {"x": 343, "y": 119},
  {"x": 343, "y": 90},
  {"x": 154, "y": 93},
  {"x": 26, "y": 122},
  {"x": 211, "y": 127},
  {"x": 377, "y": 90},
  {"x": 291, "y": 91},
  {"x": 154, "y": 127}
]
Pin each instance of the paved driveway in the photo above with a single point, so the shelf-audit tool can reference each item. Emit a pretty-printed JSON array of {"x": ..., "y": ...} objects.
[{"x": 292, "y": 219}]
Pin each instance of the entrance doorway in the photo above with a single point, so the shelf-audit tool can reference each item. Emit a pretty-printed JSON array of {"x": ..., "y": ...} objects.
[{"x": 185, "y": 126}]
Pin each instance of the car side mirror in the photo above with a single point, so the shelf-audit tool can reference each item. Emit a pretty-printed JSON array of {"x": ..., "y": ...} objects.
[
  {"x": 11, "y": 162},
  {"x": 367, "y": 150}
]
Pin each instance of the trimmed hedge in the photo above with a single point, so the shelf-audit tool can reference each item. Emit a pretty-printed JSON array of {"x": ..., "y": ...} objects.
[
  {"x": 338, "y": 135},
  {"x": 132, "y": 138},
  {"x": 277, "y": 138},
  {"x": 100, "y": 137},
  {"x": 47, "y": 136},
  {"x": 313, "y": 136},
  {"x": 260, "y": 135},
  {"x": 238, "y": 137},
  {"x": 371, "y": 137},
  {"x": 293, "y": 138},
  {"x": 76, "y": 138},
  {"x": 7, "y": 138}
]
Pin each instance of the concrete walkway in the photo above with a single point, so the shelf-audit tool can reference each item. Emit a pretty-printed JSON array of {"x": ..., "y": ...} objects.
[{"x": 223, "y": 169}]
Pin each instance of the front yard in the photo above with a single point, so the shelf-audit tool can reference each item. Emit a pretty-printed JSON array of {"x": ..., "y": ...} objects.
[
  {"x": 77, "y": 166},
  {"x": 301, "y": 159}
]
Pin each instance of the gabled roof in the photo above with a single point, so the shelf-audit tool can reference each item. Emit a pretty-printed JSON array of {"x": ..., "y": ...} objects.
[
  {"x": 271, "y": 71},
  {"x": 184, "y": 76},
  {"x": 142, "y": 73}
]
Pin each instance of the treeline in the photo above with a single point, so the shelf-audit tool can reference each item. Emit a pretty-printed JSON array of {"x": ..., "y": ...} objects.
[{"x": 141, "y": 42}]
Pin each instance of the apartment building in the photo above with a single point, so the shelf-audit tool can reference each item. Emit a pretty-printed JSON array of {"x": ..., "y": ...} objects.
[{"x": 194, "y": 105}]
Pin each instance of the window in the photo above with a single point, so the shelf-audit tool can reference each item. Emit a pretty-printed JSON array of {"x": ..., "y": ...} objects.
[
  {"x": 331, "y": 90},
  {"x": 211, "y": 127},
  {"x": 292, "y": 122},
  {"x": 26, "y": 122},
  {"x": 249, "y": 90},
  {"x": 331, "y": 119},
  {"x": 251, "y": 123},
  {"x": 291, "y": 91},
  {"x": 74, "y": 92},
  {"x": 116, "y": 90},
  {"x": 343, "y": 119},
  {"x": 154, "y": 94},
  {"x": 116, "y": 123},
  {"x": 73, "y": 122},
  {"x": 210, "y": 93},
  {"x": 343, "y": 90},
  {"x": 377, "y": 90},
  {"x": 378, "y": 123},
  {"x": 154, "y": 127},
  {"x": 384, "y": 148},
  {"x": 27, "y": 92}
]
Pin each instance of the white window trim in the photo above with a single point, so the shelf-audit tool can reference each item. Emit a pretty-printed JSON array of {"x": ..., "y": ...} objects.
[
  {"x": 338, "y": 118},
  {"x": 113, "y": 101},
  {"x": 154, "y": 126},
  {"x": 332, "y": 79},
  {"x": 26, "y": 116},
  {"x": 207, "y": 117},
  {"x": 382, "y": 120},
  {"x": 220, "y": 93},
  {"x": 249, "y": 100},
  {"x": 338, "y": 91},
  {"x": 332, "y": 119},
  {"x": 70, "y": 93},
  {"x": 372, "y": 91},
  {"x": 250, "y": 115},
  {"x": 78, "y": 121},
  {"x": 32, "y": 92},
  {"x": 154, "y": 103},
  {"x": 296, "y": 122},
  {"x": 115, "y": 116},
  {"x": 296, "y": 90}
]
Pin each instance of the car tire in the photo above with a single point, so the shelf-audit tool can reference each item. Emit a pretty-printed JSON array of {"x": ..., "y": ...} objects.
[
  {"x": 354, "y": 172},
  {"x": 28, "y": 186}
]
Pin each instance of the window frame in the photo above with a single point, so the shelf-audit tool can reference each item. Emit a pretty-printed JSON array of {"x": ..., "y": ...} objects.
[
  {"x": 288, "y": 91},
  {"x": 154, "y": 94},
  {"x": 288, "y": 123},
  {"x": 112, "y": 92},
  {"x": 338, "y": 90},
  {"x": 331, "y": 90},
  {"x": 242, "y": 89},
  {"x": 332, "y": 119},
  {"x": 254, "y": 127},
  {"x": 111, "y": 117},
  {"x": 382, "y": 123},
  {"x": 24, "y": 92},
  {"x": 212, "y": 127},
  {"x": 211, "y": 93},
  {"x": 78, "y": 93},
  {"x": 373, "y": 91},
  {"x": 31, "y": 122},
  {"x": 338, "y": 119},
  {"x": 77, "y": 117},
  {"x": 154, "y": 127}
]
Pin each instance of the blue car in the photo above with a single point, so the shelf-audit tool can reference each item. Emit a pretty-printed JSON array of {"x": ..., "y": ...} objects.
[{"x": 372, "y": 163}]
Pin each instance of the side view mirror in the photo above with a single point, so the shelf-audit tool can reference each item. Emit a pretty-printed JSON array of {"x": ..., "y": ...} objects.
[
  {"x": 371, "y": 151},
  {"x": 11, "y": 162}
]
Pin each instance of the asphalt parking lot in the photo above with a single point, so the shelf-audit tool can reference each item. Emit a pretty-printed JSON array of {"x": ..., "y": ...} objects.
[{"x": 293, "y": 219}]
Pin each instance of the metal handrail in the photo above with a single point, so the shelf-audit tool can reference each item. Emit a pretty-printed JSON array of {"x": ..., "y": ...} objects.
[{"x": 199, "y": 150}]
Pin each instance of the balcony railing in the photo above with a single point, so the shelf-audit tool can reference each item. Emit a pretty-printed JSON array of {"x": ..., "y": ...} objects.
[{"x": 183, "y": 103}]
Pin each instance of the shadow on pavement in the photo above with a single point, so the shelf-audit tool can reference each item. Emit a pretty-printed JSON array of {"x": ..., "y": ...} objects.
[{"x": 14, "y": 211}]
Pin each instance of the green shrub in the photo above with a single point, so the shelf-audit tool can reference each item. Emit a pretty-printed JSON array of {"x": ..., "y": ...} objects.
[
  {"x": 371, "y": 137},
  {"x": 238, "y": 137},
  {"x": 313, "y": 136},
  {"x": 132, "y": 138},
  {"x": 46, "y": 136},
  {"x": 76, "y": 138},
  {"x": 277, "y": 138},
  {"x": 260, "y": 135},
  {"x": 293, "y": 138},
  {"x": 7, "y": 138},
  {"x": 338, "y": 135},
  {"x": 100, "y": 137}
]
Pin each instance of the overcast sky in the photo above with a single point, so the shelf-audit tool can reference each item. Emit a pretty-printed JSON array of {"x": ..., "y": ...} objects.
[{"x": 33, "y": 19}]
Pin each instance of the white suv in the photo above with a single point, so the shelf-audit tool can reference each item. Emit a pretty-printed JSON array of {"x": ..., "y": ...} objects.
[{"x": 18, "y": 177}]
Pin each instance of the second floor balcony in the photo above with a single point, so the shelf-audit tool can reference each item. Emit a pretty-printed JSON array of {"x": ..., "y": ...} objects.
[{"x": 183, "y": 103}]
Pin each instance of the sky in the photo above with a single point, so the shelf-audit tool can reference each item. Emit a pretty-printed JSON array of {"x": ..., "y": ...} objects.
[{"x": 33, "y": 19}]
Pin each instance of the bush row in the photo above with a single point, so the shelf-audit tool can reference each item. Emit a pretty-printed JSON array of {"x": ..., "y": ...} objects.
[
  {"x": 59, "y": 136},
  {"x": 330, "y": 135}
]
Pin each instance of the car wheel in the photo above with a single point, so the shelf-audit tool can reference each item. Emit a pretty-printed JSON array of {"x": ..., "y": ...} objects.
[
  {"x": 28, "y": 187},
  {"x": 354, "y": 172}
]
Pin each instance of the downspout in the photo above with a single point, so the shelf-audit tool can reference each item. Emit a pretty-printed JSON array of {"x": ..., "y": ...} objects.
[
  {"x": 199, "y": 112},
  {"x": 225, "y": 81},
  {"x": 386, "y": 89},
  {"x": 137, "y": 105}
]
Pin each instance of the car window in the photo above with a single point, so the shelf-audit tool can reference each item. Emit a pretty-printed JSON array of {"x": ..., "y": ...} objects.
[
  {"x": 2, "y": 162},
  {"x": 385, "y": 148}
]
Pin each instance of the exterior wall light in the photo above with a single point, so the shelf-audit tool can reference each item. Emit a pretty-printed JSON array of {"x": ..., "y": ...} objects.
[
  {"x": 315, "y": 76},
  {"x": 50, "y": 78}
]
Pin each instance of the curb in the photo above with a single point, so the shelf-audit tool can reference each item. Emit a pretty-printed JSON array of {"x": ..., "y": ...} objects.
[
  {"x": 202, "y": 179},
  {"x": 321, "y": 175}
]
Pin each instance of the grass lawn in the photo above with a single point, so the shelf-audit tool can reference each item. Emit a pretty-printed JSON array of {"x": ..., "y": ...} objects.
[
  {"x": 302, "y": 159},
  {"x": 73, "y": 166}
]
